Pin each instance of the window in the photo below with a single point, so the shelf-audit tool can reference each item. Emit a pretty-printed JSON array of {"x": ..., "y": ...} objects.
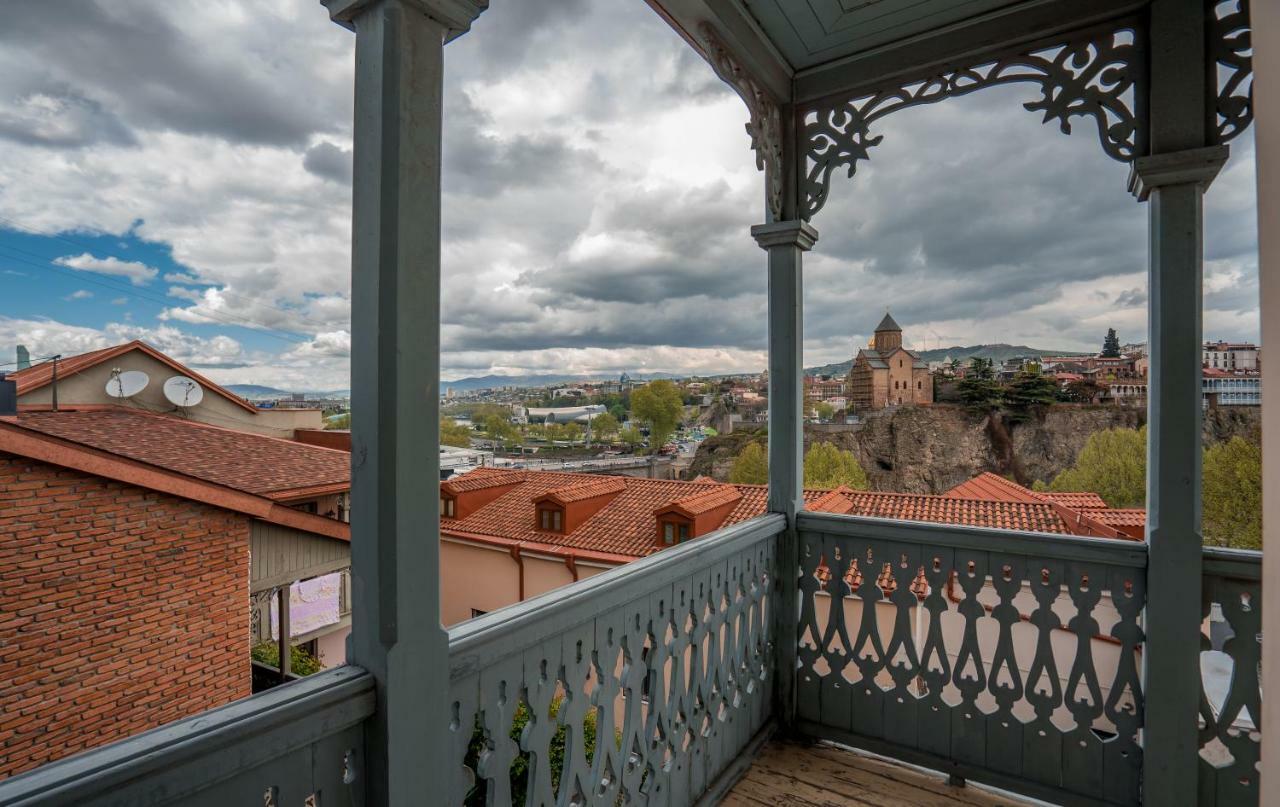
[
  {"x": 899, "y": 362},
  {"x": 446, "y": 506},
  {"x": 675, "y": 532},
  {"x": 919, "y": 385},
  {"x": 549, "y": 519},
  {"x": 668, "y": 533}
]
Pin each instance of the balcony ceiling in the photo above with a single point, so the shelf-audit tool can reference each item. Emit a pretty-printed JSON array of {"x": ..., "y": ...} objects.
[
  {"x": 812, "y": 32},
  {"x": 806, "y": 49}
]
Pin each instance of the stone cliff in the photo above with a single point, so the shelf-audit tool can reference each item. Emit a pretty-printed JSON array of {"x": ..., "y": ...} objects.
[{"x": 930, "y": 449}]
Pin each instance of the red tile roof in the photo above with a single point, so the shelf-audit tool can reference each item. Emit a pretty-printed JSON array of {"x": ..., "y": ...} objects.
[
  {"x": 40, "y": 375},
  {"x": 1121, "y": 517},
  {"x": 1076, "y": 501},
  {"x": 253, "y": 463},
  {"x": 587, "y": 487},
  {"x": 704, "y": 501},
  {"x": 624, "y": 527},
  {"x": 992, "y": 487}
]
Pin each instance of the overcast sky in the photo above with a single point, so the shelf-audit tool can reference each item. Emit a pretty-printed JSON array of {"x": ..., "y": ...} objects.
[{"x": 180, "y": 172}]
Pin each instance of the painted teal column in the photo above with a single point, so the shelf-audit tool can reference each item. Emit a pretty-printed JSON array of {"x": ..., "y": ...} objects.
[
  {"x": 1172, "y": 181},
  {"x": 786, "y": 242},
  {"x": 395, "y": 318}
]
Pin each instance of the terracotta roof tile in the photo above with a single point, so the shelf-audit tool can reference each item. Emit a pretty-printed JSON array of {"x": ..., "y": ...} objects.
[
  {"x": 586, "y": 487},
  {"x": 993, "y": 487},
  {"x": 482, "y": 479},
  {"x": 1076, "y": 501},
  {"x": 1126, "y": 517},
  {"x": 707, "y": 500},
  {"x": 253, "y": 463},
  {"x": 1006, "y": 515}
]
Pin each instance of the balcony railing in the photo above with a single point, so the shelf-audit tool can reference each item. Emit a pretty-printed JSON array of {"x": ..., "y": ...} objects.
[
  {"x": 1008, "y": 658},
  {"x": 672, "y": 656},
  {"x": 1230, "y": 663}
]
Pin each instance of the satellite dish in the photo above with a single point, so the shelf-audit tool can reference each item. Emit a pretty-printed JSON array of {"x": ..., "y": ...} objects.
[
  {"x": 127, "y": 384},
  {"x": 183, "y": 391}
]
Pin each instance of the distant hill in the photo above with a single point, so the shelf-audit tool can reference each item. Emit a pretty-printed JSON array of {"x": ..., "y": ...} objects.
[
  {"x": 492, "y": 381},
  {"x": 997, "y": 353},
  {"x": 258, "y": 392}
]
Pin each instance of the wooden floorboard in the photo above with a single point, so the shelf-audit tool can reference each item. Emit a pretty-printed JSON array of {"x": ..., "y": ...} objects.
[{"x": 824, "y": 775}]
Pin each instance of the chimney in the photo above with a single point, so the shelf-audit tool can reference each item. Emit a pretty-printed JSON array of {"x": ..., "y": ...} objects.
[
  {"x": 8, "y": 397},
  {"x": 24, "y": 358}
]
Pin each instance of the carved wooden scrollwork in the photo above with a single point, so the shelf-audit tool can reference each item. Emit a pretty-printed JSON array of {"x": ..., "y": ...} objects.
[
  {"x": 1231, "y": 55},
  {"x": 644, "y": 702},
  {"x": 1000, "y": 661},
  {"x": 1088, "y": 77},
  {"x": 1230, "y": 744},
  {"x": 765, "y": 123}
]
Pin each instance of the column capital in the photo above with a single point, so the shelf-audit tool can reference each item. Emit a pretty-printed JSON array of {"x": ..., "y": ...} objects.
[
  {"x": 796, "y": 233},
  {"x": 1198, "y": 166},
  {"x": 456, "y": 15}
]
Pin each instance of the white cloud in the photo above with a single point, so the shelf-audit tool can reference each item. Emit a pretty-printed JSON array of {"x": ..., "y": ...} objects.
[
  {"x": 79, "y": 294},
  {"x": 139, "y": 274}
]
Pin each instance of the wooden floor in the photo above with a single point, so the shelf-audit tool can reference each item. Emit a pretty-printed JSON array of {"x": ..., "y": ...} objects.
[{"x": 824, "y": 775}]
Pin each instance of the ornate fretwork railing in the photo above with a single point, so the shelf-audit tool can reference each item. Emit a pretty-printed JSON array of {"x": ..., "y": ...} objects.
[
  {"x": 1230, "y": 667},
  {"x": 1230, "y": 44},
  {"x": 640, "y": 685},
  {"x": 1008, "y": 658},
  {"x": 300, "y": 744}
]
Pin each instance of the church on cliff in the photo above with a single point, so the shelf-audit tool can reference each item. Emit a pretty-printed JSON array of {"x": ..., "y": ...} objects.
[{"x": 887, "y": 374}]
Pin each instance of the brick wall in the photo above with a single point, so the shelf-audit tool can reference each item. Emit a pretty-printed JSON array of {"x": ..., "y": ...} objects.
[{"x": 121, "y": 609}]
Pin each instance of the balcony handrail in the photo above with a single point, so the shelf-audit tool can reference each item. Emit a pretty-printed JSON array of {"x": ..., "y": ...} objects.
[
  {"x": 504, "y": 632},
  {"x": 175, "y": 762},
  {"x": 1237, "y": 564},
  {"x": 1111, "y": 551}
]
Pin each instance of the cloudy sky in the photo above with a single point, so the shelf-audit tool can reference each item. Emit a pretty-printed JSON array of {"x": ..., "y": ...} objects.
[{"x": 180, "y": 172}]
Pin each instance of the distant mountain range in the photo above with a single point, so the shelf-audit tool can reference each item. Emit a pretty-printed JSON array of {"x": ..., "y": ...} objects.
[
  {"x": 546, "y": 380},
  {"x": 997, "y": 353},
  {"x": 257, "y": 392}
]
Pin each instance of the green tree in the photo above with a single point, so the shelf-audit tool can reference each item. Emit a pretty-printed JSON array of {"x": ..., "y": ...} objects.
[
  {"x": 824, "y": 410},
  {"x": 979, "y": 388},
  {"x": 300, "y": 661},
  {"x": 751, "y": 466},
  {"x": 1029, "y": 388},
  {"x": 342, "y": 421},
  {"x": 659, "y": 404},
  {"x": 631, "y": 436},
  {"x": 1233, "y": 494},
  {"x": 1112, "y": 464},
  {"x": 478, "y": 797},
  {"x": 827, "y": 466},
  {"x": 1083, "y": 391},
  {"x": 1110, "y": 345},
  {"x": 500, "y": 429},
  {"x": 604, "y": 426},
  {"x": 453, "y": 433},
  {"x": 571, "y": 432}
]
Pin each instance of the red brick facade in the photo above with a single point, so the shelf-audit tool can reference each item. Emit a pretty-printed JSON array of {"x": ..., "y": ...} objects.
[{"x": 121, "y": 609}]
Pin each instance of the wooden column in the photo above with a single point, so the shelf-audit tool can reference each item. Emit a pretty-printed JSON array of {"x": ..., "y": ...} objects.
[
  {"x": 1172, "y": 180},
  {"x": 284, "y": 629},
  {"x": 1266, "y": 122},
  {"x": 395, "y": 317},
  {"x": 786, "y": 242}
]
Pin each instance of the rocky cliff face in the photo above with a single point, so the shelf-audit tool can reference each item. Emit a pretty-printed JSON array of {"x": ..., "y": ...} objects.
[{"x": 930, "y": 449}]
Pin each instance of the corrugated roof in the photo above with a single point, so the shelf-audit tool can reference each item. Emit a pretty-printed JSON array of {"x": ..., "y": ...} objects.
[{"x": 253, "y": 463}]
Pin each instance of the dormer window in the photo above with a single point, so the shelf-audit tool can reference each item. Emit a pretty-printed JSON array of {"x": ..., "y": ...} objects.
[
  {"x": 447, "y": 506},
  {"x": 550, "y": 519},
  {"x": 674, "y": 531}
]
